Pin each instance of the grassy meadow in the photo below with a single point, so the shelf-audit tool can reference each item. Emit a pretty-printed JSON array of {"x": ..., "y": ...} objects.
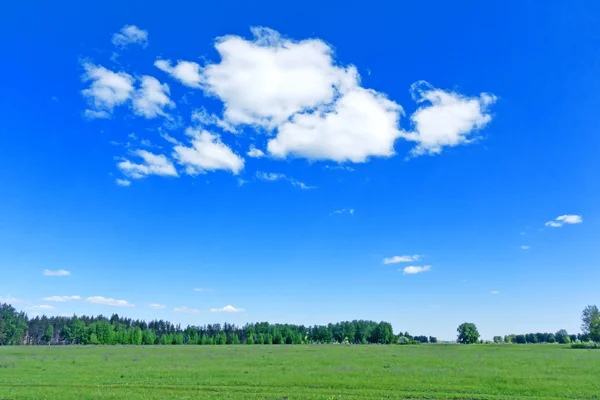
[{"x": 299, "y": 372}]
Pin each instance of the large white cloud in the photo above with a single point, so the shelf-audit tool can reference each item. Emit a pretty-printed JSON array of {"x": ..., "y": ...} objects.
[
  {"x": 107, "y": 89},
  {"x": 450, "y": 119},
  {"x": 152, "y": 98},
  {"x": 130, "y": 34},
  {"x": 266, "y": 80},
  {"x": 153, "y": 164},
  {"x": 360, "y": 124},
  {"x": 207, "y": 153}
]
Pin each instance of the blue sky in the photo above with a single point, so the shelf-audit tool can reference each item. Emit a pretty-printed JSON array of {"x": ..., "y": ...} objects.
[{"x": 278, "y": 158}]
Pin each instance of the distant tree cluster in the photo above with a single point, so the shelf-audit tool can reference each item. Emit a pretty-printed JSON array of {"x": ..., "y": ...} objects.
[{"x": 17, "y": 328}]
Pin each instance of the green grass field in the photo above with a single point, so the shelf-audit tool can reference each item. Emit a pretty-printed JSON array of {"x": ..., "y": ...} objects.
[{"x": 300, "y": 372}]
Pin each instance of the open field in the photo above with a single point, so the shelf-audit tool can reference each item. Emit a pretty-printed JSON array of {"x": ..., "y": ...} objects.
[{"x": 299, "y": 372}]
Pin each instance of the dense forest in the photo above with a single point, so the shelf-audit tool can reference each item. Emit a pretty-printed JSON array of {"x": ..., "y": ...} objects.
[{"x": 17, "y": 329}]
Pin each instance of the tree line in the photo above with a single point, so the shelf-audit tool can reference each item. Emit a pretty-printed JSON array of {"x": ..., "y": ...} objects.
[{"x": 17, "y": 329}]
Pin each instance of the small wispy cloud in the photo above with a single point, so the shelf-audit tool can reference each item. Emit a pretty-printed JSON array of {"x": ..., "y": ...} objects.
[
  {"x": 130, "y": 34},
  {"x": 255, "y": 153},
  {"x": 61, "y": 298},
  {"x": 340, "y": 167},
  {"x": 187, "y": 310},
  {"x": 59, "y": 272},
  {"x": 414, "y": 269},
  {"x": 107, "y": 301},
  {"x": 42, "y": 307},
  {"x": 401, "y": 259},
  {"x": 567, "y": 219},
  {"x": 495, "y": 292},
  {"x": 342, "y": 211},
  {"x": 123, "y": 182},
  {"x": 203, "y": 290},
  {"x": 10, "y": 299},
  {"x": 227, "y": 309},
  {"x": 525, "y": 247},
  {"x": 273, "y": 176}
]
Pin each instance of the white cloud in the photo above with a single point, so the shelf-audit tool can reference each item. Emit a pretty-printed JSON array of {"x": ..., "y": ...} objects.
[
  {"x": 227, "y": 309},
  {"x": 186, "y": 310},
  {"x": 60, "y": 272},
  {"x": 154, "y": 164},
  {"x": 61, "y": 298},
  {"x": 130, "y": 34},
  {"x": 107, "y": 301},
  {"x": 495, "y": 292},
  {"x": 123, "y": 182},
  {"x": 413, "y": 269},
  {"x": 208, "y": 153},
  {"x": 107, "y": 90},
  {"x": 342, "y": 211},
  {"x": 157, "y": 306},
  {"x": 525, "y": 247},
  {"x": 565, "y": 219},
  {"x": 169, "y": 138},
  {"x": 202, "y": 117},
  {"x": 42, "y": 307},
  {"x": 152, "y": 98},
  {"x": 340, "y": 167},
  {"x": 205, "y": 290},
  {"x": 255, "y": 153},
  {"x": 360, "y": 124},
  {"x": 266, "y": 80},
  {"x": 273, "y": 176},
  {"x": 401, "y": 259},
  {"x": 186, "y": 72},
  {"x": 449, "y": 120},
  {"x": 10, "y": 299},
  {"x": 95, "y": 114}
]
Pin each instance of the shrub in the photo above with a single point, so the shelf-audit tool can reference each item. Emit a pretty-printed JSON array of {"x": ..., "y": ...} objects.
[{"x": 585, "y": 345}]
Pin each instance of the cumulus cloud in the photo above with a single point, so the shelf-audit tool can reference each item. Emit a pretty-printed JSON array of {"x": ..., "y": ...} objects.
[
  {"x": 360, "y": 124},
  {"x": 42, "y": 307},
  {"x": 413, "y": 269},
  {"x": 107, "y": 301},
  {"x": 255, "y": 153},
  {"x": 152, "y": 98},
  {"x": 153, "y": 164},
  {"x": 449, "y": 119},
  {"x": 227, "y": 309},
  {"x": 107, "y": 90},
  {"x": 61, "y": 298},
  {"x": 130, "y": 34},
  {"x": 59, "y": 272},
  {"x": 273, "y": 176},
  {"x": 123, "y": 182},
  {"x": 156, "y": 306},
  {"x": 266, "y": 80},
  {"x": 207, "y": 153},
  {"x": 185, "y": 72},
  {"x": 187, "y": 310},
  {"x": 567, "y": 219},
  {"x": 401, "y": 259}
]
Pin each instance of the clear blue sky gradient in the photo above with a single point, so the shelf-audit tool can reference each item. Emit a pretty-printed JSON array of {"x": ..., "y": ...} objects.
[{"x": 273, "y": 249}]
